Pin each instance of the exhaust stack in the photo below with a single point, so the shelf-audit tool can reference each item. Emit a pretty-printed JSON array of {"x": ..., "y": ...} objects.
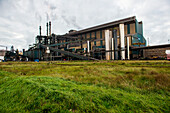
[
  {"x": 47, "y": 29},
  {"x": 50, "y": 28},
  {"x": 40, "y": 30}
]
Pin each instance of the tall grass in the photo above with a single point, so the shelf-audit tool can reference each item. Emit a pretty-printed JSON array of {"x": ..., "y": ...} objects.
[
  {"x": 51, "y": 94},
  {"x": 104, "y": 86}
]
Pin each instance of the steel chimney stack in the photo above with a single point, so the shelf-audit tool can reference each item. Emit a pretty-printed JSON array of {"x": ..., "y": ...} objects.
[
  {"x": 49, "y": 28},
  {"x": 40, "y": 30}
]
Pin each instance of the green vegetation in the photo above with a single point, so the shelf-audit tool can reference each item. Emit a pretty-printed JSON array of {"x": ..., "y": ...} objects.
[{"x": 83, "y": 86}]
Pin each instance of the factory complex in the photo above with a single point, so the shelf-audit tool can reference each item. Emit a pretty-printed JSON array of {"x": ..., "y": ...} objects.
[{"x": 118, "y": 40}]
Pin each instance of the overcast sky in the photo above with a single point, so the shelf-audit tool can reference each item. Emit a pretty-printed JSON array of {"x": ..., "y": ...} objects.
[{"x": 20, "y": 19}]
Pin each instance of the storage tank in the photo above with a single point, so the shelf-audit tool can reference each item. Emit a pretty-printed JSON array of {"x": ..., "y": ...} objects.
[{"x": 168, "y": 54}]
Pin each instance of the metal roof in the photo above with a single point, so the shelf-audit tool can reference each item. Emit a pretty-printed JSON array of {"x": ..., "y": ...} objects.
[
  {"x": 103, "y": 26},
  {"x": 152, "y": 47}
]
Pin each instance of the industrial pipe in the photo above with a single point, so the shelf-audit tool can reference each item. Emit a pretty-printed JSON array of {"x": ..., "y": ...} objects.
[
  {"x": 47, "y": 29},
  {"x": 50, "y": 28},
  {"x": 40, "y": 30}
]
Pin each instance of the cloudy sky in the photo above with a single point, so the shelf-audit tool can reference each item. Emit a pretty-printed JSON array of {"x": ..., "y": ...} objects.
[{"x": 20, "y": 19}]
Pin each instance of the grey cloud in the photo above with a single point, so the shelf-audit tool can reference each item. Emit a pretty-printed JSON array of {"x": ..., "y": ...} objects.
[
  {"x": 71, "y": 21},
  {"x": 52, "y": 7},
  {"x": 38, "y": 17},
  {"x": 22, "y": 17},
  {"x": 47, "y": 16}
]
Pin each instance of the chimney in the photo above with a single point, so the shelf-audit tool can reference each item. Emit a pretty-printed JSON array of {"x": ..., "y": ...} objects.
[
  {"x": 23, "y": 51},
  {"x": 40, "y": 30},
  {"x": 49, "y": 28}
]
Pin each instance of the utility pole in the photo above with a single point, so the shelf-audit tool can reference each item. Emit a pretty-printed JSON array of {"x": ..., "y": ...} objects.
[{"x": 148, "y": 41}]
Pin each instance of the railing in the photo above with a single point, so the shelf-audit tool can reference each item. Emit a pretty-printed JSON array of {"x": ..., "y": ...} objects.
[{"x": 69, "y": 53}]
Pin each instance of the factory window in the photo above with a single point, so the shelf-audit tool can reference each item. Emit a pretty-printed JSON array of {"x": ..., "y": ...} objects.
[
  {"x": 90, "y": 42},
  {"x": 85, "y": 36},
  {"x": 81, "y": 37},
  {"x": 95, "y": 38},
  {"x": 128, "y": 29},
  {"x": 101, "y": 42}
]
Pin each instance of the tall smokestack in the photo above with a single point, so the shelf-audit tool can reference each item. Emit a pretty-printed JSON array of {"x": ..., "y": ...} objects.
[
  {"x": 49, "y": 28},
  {"x": 23, "y": 51},
  {"x": 40, "y": 30}
]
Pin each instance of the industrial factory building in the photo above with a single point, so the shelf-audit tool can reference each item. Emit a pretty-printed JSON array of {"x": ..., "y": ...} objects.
[{"x": 111, "y": 41}]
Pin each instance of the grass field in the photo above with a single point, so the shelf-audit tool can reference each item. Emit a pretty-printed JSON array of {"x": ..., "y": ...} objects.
[{"x": 85, "y": 86}]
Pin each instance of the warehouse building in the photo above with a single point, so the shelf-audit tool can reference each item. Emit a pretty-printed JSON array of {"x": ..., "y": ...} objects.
[
  {"x": 110, "y": 41},
  {"x": 119, "y": 35},
  {"x": 152, "y": 52}
]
